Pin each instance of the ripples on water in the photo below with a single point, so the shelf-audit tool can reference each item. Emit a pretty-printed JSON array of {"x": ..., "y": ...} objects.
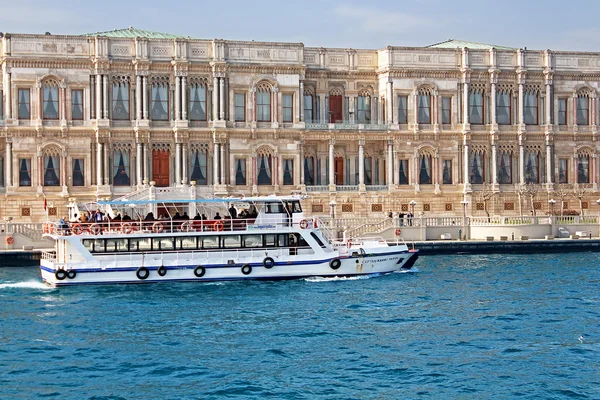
[{"x": 502, "y": 326}]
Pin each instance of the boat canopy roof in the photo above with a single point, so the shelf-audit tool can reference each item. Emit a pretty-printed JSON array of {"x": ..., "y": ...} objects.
[{"x": 261, "y": 199}]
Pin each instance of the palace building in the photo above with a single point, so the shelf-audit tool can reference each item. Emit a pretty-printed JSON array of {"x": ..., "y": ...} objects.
[{"x": 361, "y": 131}]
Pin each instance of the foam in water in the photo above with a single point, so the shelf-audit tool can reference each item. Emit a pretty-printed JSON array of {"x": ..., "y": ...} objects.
[
  {"x": 337, "y": 278},
  {"x": 25, "y": 285}
]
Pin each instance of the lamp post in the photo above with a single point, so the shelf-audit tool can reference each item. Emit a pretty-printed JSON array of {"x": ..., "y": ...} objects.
[
  {"x": 332, "y": 204},
  {"x": 552, "y": 202},
  {"x": 412, "y": 205},
  {"x": 464, "y": 204}
]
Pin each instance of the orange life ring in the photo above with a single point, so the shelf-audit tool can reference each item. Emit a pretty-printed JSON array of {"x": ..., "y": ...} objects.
[
  {"x": 303, "y": 224},
  {"x": 187, "y": 226},
  {"x": 157, "y": 227},
  {"x": 398, "y": 232},
  {"x": 218, "y": 226},
  {"x": 77, "y": 229},
  {"x": 126, "y": 228},
  {"x": 10, "y": 240}
]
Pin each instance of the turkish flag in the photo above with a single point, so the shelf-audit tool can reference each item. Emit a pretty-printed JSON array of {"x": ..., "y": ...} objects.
[{"x": 45, "y": 205}]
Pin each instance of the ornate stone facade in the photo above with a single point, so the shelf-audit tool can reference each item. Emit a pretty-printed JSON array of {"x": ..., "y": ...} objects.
[{"x": 367, "y": 130}]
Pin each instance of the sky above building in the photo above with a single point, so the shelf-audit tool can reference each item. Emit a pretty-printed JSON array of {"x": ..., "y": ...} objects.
[{"x": 551, "y": 24}]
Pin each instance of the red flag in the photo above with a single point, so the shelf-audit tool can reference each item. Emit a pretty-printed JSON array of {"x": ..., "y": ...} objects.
[{"x": 45, "y": 205}]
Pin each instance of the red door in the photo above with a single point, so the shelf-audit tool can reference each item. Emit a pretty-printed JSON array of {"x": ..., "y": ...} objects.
[
  {"x": 160, "y": 167},
  {"x": 336, "y": 109},
  {"x": 339, "y": 170}
]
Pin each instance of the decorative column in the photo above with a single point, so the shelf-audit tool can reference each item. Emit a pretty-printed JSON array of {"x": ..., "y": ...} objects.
[
  {"x": 276, "y": 104},
  {"x": 549, "y": 163},
  {"x": 184, "y": 99},
  {"x": 466, "y": 89},
  {"x": 253, "y": 94},
  {"x": 331, "y": 163},
  {"x": 145, "y": 98},
  {"x": 40, "y": 171},
  {"x": 98, "y": 96},
  {"x": 389, "y": 103},
  {"x": 301, "y": 101},
  {"x": 63, "y": 101},
  {"x": 361, "y": 164},
  {"x": 8, "y": 169},
  {"x": 177, "y": 98},
  {"x": 301, "y": 163},
  {"x": 184, "y": 165},
  {"x": 215, "y": 99},
  {"x": 177, "y": 163},
  {"x": 466, "y": 179},
  {"x": 493, "y": 103},
  {"x": 138, "y": 164},
  {"x": 222, "y": 101},
  {"x": 522, "y": 164},
  {"x": 435, "y": 111},
  {"x": 520, "y": 107},
  {"x": 99, "y": 167},
  {"x": 106, "y": 166},
  {"x": 63, "y": 172},
  {"x": 216, "y": 164},
  {"x": 222, "y": 164},
  {"x": 146, "y": 163},
  {"x": 105, "y": 97},
  {"x": 390, "y": 164},
  {"x": 7, "y": 93},
  {"x": 494, "y": 167},
  {"x": 138, "y": 98}
]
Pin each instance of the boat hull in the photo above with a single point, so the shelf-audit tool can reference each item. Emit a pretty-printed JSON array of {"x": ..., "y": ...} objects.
[{"x": 370, "y": 263}]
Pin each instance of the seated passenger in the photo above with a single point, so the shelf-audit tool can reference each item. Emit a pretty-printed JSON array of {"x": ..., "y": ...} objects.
[
  {"x": 126, "y": 217},
  {"x": 217, "y": 216}
]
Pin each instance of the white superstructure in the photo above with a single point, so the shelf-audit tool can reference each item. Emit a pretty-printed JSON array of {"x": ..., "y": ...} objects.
[{"x": 257, "y": 238}]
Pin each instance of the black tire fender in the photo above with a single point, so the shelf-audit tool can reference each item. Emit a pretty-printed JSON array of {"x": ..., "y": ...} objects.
[
  {"x": 142, "y": 273},
  {"x": 60, "y": 274},
  {"x": 268, "y": 262},
  {"x": 335, "y": 263},
  {"x": 246, "y": 269},
  {"x": 199, "y": 271},
  {"x": 162, "y": 270}
]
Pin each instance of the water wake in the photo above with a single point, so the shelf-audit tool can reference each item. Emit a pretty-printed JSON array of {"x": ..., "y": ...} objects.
[
  {"x": 25, "y": 285},
  {"x": 337, "y": 278}
]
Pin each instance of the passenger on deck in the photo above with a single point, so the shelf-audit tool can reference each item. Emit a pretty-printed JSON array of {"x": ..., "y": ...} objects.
[
  {"x": 185, "y": 216},
  {"x": 203, "y": 217},
  {"x": 232, "y": 212},
  {"x": 244, "y": 214},
  {"x": 177, "y": 216},
  {"x": 63, "y": 226},
  {"x": 149, "y": 216},
  {"x": 217, "y": 216},
  {"x": 126, "y": 217},
  {"x": 98, "y": 216},
  {"x": 197, "y": 217}
]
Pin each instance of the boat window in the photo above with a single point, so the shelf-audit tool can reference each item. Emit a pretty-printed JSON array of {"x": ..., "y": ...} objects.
[
  {"x": 99, "y": 245},
  {"x": 296, "y": 207},
  {"x": 89, "y": 244},
  {"x": 282, "y": 240},
  {"x": 270, "y": 240},
  {"x": 318, "y": 240},
  {"x": 210, "y": 242},
  {"x": 231, "y": 241},
  {"x": 274, "y": 208},
  {"x": 144, "y": 244},
  {"x": 162, "y": 243},
  {"x": 186, "y": 243},
  {"x": 301, "y": 241},
  {"x": 116, "y": 245},
  {"x": 252, "y": 240}
]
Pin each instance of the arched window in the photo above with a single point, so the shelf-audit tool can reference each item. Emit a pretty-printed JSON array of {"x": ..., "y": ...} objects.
[
  {"x": 199, "y": 165},
  {"x": 197, "y": 98},
  {"x": 532, "y": 172},
  {"x": 364, "y": 107},
  {"x": 52, "y": 167},
  {"x": 476, "y": 110},
  {"x": 424, "y": 108},
  {"x": 264, "y": 167},
  {"x": 121, "y": 168},
  {"x": 583, "y": 108},
  {"x": 120, "y": 98},
  {"x": 263, "y": 102},
  {"x": 50, "y": 99},
  {"x": 583, "y": 168},
  {"x": 530, "y": 106},
  {"x": 504, "y": 167},
  {"x": 160, "y": 98},
  {"x": 477, "y": 170},
  {"x": 425, "y": 169},
  {"x": 308, "y": 106},
  {"x": 309, "y": 169}
]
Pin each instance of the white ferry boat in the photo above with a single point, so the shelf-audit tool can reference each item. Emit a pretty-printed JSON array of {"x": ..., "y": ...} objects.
[{"x": 246, "y": 238}]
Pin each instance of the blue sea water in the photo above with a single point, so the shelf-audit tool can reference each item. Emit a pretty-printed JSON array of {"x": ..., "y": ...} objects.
[{"x": 491, "y": 326}]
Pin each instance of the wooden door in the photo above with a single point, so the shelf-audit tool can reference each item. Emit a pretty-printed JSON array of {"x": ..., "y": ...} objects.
[
  {"x": 339, "y": 170},
  {"x": 161, "y": 160},
  {"x": 336, "y": 109}
]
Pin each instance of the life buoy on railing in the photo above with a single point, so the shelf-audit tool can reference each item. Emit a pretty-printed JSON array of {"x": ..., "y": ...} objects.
[
  {"x": 218, "y": 226},
  {"x": 187, "y": 226},
  {"x": 398, "y": 232},
  {"x": 77, "y": 229},
  {"x": 157, "y": 227},
  {"x": 126, "y": 228},
  {"x": 10, "y": 240},
  {"x": 303, "y": 224},
  {"x": 95, "y": 229}
]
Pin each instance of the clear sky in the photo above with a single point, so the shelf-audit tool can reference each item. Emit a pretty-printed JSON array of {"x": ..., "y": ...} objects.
[{"x": 549, "y": 24}]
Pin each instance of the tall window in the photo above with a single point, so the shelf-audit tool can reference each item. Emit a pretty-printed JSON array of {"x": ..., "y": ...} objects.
[
  {"x": 476, "y": 115},
  {"x": 263, "y": 105},
  {"x": 530, "y": 108},
  {"x": 309, "y": 170},
  {"x": 199, "y": 162},
  {"x": 240, "y": 171},
  {"x": 403, "y": 177},
  {"x": 308, "y": 108},
  {"x": 368, "y": 170},
  {"x": 264, "y": 167},
  {"x": 288, "y": 171},
  {"x": 51, "y": 170},
  {"x": 50, "y": 100},
  {"x": 425, "y": 170},
  {"x": 424, "y": 109},
  {"x": 240, "y": 107},
  {"x": 504, "y": 168},
  {"x": 24, "y": 172},
  {"x": 197, "y": 104},
  {"x": 402, "y": 110},
  {"x": 288, "y": 107},
  {"x": 121, "y": 175},
  {"x": 160, "y": 99},
  {"x": 447, "y": 172},
  {"x": 78, "y": 176},
  {"x": 562, "y": 111},
  {"x": 563, "y": 170},
  {"x": 24, "y": 104},
  {"x": 364, "y": 109},
  {"x": 77, "y": 104},
  {"x": 120, "y": 99},
  {"x": 503, "y": 111},
  {"x": 446, "y": 110},
  {"x": 532, "y": 173},
  {"x": 477, "y": 171},
  {"x": 583, "y": 110},
  {"x": 583, "y": 169}
]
